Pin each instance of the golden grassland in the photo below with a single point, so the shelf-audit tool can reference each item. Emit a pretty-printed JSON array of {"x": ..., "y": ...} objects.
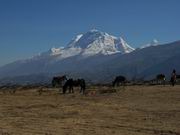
[{"x": 133, "y": 110}]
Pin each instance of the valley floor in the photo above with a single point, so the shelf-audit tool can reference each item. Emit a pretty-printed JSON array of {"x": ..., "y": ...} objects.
[{"x": 133, "y": 110}]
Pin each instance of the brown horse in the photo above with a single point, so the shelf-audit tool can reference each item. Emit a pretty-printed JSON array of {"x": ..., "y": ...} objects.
[{"x": 58, "y": 81}]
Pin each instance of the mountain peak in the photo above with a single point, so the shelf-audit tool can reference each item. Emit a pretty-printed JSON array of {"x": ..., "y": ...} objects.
[
  {"x": 83, "y": 40},
  {"x": 94, "y": 30},
  {"x": 97, "y": 33},
  {"x": 91, "y": 43}
]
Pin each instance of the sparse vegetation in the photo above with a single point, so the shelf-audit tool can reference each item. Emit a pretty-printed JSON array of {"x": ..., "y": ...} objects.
[{"x": 142, "y": 110}]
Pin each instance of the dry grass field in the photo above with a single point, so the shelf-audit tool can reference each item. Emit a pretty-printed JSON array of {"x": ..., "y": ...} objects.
[{"x": 134, "y": 110}]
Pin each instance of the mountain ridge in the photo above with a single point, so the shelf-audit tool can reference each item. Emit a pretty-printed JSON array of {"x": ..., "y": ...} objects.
[{"x": 101, "y": 66}]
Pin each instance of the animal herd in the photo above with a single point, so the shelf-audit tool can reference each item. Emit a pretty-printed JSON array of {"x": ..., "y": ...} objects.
[{"x": 69, "y": 84}]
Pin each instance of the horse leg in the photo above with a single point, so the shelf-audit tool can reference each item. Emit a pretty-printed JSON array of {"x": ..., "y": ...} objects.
[
  {"x": 64, "y": 90},
  {"x": 69, "y": 89},
  {"x": 72, "y": 89},
  {"x": 173, "y": 82},
  {"x": 113, "y": 83},
  {"x": 80, "y": 90},
  {"x": 83, "y": 90}
]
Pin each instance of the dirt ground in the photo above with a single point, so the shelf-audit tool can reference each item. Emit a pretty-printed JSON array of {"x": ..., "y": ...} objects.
[{"x": 133, "y": 110}]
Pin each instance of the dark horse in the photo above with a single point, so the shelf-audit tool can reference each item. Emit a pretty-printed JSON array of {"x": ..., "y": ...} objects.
[
  {"x": 161, "y": 78},
  {"x": 74, "y": 83},
  {"x": 119, "y": 80},
  {"x": 58, "y": 80}
]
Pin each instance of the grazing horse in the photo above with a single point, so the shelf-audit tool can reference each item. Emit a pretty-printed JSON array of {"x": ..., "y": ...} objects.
[
  {"x": 68, "y": 84},
  {"x": 58, "y": 80},
  {"x": 160, "y": 79},
  {"x": 119, "y": 80},
  {"x": 74, "y": 83}
]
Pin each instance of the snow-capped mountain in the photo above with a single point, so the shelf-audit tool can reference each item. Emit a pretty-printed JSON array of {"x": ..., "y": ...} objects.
[
  {"x": 95, "y": 42},
  {"x": 97, "y": 57},
  {"x": 91, "y": 43}
]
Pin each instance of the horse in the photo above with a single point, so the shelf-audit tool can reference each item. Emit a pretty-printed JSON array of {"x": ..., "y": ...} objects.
[
  {"x": 58, "y": 80},
  {"x": 70, "y": 83},
  {"x": 160, "y": 79},
  {"x": 119, "y": 80}
]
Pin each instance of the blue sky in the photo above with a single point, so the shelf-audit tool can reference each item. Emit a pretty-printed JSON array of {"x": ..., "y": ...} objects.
[{"x": 28, "y": 27}]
